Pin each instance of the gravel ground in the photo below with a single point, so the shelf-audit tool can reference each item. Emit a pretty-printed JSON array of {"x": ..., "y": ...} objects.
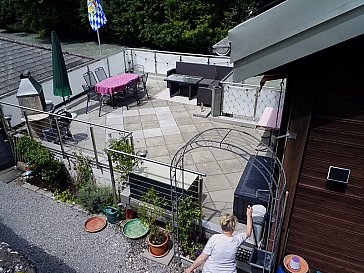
[{"x": 50, "y": 234}]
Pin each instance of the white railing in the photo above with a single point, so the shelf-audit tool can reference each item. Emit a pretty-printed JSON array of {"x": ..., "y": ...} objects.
[{"x": 155, "y": 63}]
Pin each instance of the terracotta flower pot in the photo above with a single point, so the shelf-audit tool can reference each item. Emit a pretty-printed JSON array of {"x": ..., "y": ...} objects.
[{"x": 159, "y": 250}]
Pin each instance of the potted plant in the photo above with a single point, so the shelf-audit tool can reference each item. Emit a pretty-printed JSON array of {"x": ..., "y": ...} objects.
[{"x": 151, "y": 208}]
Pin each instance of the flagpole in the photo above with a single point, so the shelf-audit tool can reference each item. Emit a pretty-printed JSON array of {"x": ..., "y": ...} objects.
[{"x": 98, "y": 38}]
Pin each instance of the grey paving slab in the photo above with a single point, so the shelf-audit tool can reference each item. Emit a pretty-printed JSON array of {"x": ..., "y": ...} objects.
[
  {"x": 150, "y": 124},
  {"x": 132, "y": 119},
  {"x": 210, "y": 168},
  {"x": 177, "y": 107},
  {"x": 204, "y": 126},
  {"x": 217, "y": 182},
  {"x": 10, "y": 175},
  {"x": 139, "y": 143},
  {"x": 179, "y": 114},
  {"x": 173, "y": 148},
  {"x": 148, "y": 117},
  {"x": 230, "y": 165},
  {"x": 154, "y": 132},
  {"x": 184, "y": 121},
  {"x": 138, "y": 134},
  {"x": 165, "y": 159},
  {"x": 221, "y": 198},
  {"x": 222, "y": 155},
  {"x": 131, "y": 113},
  {"x": 174, "y": 139},
  {"x": 188, "y": 136},
  {"x": 234, "y": 179},
  {"x": 147, "y": 111},
  {"x": 154, "y": 141},
  {"x": 189, "y": 128},
  {"x": 202, "y": 155},
  {"x": 159, "y": 103},
  {"x": 170, "y": 130},
  {"x": 133, "y": 126},
  {"x": 157, "y": 151}
]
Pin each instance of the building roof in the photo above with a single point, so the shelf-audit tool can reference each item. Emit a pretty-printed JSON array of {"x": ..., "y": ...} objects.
[
  {"x": 292, "y": 30},
  {"x": 15, "y": 57}
]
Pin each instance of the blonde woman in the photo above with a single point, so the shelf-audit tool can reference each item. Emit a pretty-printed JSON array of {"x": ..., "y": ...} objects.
[{"x": 220, "y": 251}]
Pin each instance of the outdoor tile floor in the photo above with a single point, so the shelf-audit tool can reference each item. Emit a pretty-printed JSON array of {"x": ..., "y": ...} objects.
[{"x": 162, "y": 125}]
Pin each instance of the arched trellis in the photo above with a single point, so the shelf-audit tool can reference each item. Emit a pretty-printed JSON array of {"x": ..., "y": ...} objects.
[{"x": 244, "y": 145}]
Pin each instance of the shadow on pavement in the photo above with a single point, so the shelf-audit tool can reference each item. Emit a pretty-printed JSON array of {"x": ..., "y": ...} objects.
[{"x": 42, "y": 260}]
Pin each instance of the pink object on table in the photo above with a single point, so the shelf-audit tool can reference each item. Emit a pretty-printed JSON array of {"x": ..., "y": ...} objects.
[
  {"x": 115, "y": 83},
  {"x": 269, "y": 118}
]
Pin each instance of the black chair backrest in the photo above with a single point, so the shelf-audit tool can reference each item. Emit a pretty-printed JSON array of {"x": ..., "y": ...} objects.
[
  {"x": 132, "y": 85},
  {"x": 90, "y": 79},
  {"x": 100, "y": 73},
  {"x": 144, "y": 78}
]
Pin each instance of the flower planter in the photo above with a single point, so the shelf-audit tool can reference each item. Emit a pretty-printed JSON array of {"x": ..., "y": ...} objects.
[{"x": 159, "y": 250}]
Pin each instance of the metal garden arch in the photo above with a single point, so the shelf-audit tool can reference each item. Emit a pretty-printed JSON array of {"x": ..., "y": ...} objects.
[{"x": 244, "y": 145}]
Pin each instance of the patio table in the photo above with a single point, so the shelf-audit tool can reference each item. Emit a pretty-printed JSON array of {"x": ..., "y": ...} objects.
[
  {"x": 115, "y": 83},
  {"x": 185, "y": 80}
]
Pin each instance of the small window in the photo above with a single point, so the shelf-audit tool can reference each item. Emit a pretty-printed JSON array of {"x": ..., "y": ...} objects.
[{"x": 338, "y": 174}]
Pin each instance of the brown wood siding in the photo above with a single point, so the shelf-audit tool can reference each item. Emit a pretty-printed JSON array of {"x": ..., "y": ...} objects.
[{"x": 326, "y": 226}]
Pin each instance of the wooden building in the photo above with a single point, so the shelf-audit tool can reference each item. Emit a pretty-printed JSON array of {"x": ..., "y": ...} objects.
[{"x": 324, "y": 106}]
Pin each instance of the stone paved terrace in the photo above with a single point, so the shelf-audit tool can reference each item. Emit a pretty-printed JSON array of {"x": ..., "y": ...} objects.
[{"x": 162, "y": 126}]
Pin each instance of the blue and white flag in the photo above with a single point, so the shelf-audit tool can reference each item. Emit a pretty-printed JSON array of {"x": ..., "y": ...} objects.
[{"x": 95, "y": 14}]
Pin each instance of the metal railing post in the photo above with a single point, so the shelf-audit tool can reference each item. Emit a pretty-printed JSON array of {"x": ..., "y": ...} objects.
[
  {"x": 256, "y": 103},
  {"x": 94, "y": 147},
  {"x": 155, "y": 64},
  {"x": 200, "y": 189},
  {"x": 124, "y": 61},
  {"x": 27, "y": 123},
  {"x": 108, "y": 66},
  {"x": 60, "y": 138},
  {"x": 112, "y": 177}
]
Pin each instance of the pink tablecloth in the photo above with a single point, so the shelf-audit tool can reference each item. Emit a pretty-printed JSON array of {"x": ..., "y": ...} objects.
[
  {"x": 269, "y": 118},
  {"x": 115, "y": 83}
]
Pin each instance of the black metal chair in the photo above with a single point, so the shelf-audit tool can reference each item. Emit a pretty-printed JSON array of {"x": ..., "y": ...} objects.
[
  {"x": 142, "y": 84},
  {"x": 90, "y": 78},
  {"x": 131, "y": 90},
  {"x": 100, "y": 73},
  {"x": 91, "y": 94}
]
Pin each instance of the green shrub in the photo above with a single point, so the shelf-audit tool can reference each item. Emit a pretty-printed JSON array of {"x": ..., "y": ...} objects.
[
  {"x": 42, "y": 159},
  {"x": 90, "y": 197},
  {"x": 84, "y": 173},
  {"x": 64, "y": 196}
]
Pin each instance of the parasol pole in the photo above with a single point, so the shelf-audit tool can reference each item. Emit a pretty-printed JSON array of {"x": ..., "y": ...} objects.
[{"x": 98, "y": 39}]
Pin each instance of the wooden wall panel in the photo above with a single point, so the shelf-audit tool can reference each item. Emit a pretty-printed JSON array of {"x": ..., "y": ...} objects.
[{"x": 327, "y": 226}]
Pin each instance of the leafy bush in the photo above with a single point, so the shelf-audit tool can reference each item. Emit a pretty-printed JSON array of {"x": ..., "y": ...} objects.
[
  {"x": 42, "y": 159},
  {"x": 64, "y": 196},
  {"x": 122, "y": 164},
  {"x": 84, "y": 173},
  {"x": 90, "y": 197},
  {"x": 189, "y": 212},
  {"x": 187, "y": 26}
]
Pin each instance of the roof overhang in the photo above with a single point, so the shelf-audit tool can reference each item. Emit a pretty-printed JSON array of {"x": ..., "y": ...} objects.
[{"x": 290, "y": 31}]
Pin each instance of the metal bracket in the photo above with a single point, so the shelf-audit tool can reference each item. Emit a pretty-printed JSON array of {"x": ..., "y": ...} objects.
[{"x": 288, "y": 135}]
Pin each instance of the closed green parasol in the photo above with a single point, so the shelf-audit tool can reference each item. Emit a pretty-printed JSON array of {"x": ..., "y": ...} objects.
[{"x": 61, "y": 84}]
